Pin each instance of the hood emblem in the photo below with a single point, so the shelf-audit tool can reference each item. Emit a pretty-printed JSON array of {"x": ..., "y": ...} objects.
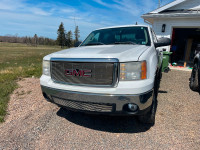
[{"x": 78, "y": 72}]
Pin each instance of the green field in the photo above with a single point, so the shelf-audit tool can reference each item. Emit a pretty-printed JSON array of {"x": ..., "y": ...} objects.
[{"x": 19, "y": 61}]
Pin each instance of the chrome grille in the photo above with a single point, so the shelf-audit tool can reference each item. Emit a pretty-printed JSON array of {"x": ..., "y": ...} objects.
[
  {"x": 102, "y": 73},
  {"x": 86, "y": 106}
]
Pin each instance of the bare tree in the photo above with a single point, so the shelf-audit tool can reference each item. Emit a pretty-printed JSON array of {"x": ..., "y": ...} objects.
[{"x": 35, "y": 38}]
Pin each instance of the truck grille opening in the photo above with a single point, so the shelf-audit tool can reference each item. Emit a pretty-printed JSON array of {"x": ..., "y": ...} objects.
[
  {"x": 84, "y": 73},
  {"x": 85, "y": 106}
]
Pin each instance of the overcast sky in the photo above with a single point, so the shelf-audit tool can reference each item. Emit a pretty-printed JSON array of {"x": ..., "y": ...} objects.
[{"x": 42, "y": 17}]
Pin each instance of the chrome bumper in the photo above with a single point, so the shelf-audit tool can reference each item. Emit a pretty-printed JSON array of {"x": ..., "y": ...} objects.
[{"x": 98, "y": 103}]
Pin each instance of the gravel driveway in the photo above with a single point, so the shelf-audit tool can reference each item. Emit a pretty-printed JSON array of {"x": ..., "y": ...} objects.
[{"x": 34, "y": 123}]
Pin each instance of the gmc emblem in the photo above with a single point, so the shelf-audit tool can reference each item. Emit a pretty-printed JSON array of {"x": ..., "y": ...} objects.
[{"x": 78, "y": 72}]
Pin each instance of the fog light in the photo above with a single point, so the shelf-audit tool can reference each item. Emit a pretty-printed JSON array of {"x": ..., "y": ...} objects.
[{"x": 132, "y": 107}]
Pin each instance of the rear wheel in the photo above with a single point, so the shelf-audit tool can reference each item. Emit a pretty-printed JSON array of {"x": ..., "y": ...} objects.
[{"x": 194, "y": 85}]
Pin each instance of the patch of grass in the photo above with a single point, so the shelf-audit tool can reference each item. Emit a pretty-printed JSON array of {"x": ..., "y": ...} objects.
[{"x": 19, "y": 61}]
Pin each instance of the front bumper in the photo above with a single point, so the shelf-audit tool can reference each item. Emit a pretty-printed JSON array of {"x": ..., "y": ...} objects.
[{"x": 99, "y": 103}]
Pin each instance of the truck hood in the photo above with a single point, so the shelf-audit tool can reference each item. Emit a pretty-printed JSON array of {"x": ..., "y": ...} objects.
[{"x": 121, "y": 52}]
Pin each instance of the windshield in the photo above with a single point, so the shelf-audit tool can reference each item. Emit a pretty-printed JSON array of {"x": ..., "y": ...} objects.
[{"x": 123, "y": 35}]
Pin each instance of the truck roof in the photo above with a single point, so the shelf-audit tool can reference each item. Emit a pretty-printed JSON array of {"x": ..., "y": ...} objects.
[{"x": 123, "y": 26}]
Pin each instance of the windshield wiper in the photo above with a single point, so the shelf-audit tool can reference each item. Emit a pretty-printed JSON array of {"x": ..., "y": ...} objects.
[
  {"x": 127, "y": 42},
  {"x": 94, "y": 43}
]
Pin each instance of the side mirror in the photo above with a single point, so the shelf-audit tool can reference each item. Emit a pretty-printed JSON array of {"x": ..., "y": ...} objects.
[
  {"x": 163, "y": 42},
  {"x": 77, "y": 44}
]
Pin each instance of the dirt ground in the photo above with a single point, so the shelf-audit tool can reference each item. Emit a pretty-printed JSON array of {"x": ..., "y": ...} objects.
[{"x": 34, "y": 123}]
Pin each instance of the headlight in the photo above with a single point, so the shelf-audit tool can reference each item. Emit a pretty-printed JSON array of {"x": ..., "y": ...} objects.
[
  {"x": 46, "y": 67},
  {"x": 133, "y": 71}
]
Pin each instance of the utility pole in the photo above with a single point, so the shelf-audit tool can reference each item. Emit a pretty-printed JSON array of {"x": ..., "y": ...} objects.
[{"x": 158, "y": 3}]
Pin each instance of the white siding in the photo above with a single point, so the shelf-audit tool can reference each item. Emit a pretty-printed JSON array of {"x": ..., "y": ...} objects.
[
  {"x": 165, "y": 7},
  {"x": 189, "y": 4},
  {"x": 176, "y": 22}
]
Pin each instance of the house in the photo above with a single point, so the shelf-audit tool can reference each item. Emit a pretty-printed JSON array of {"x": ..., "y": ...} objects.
[{"x": 180, "y": 21}]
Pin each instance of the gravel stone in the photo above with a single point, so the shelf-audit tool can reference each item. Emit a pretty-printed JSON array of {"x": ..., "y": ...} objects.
[{"x": 34, "y": 123}]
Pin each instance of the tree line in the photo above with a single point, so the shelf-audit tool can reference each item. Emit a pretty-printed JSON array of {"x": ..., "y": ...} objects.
[
  {"x": 63, "y": 39},
  {"x": 66, "y": 38},
  {"x": 34, "y": 41}
]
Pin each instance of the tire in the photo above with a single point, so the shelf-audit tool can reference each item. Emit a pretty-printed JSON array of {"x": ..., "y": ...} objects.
[
  {"x": 160, "y": 73},
  {"x": 166, "y": 70},
  {"x": 194, "y": 83},
  {"x": 159, "y": 78},
  {"x": 149, "y": 117}
]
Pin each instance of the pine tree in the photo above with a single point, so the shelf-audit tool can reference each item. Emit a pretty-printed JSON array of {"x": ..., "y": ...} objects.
[
  {"x": 76, "y": 34},
  {"x": 61, "y": 35},
  {"x": 69, "y": 40}
]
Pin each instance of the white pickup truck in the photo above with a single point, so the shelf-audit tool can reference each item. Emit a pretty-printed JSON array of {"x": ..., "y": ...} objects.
[{"x": 114, "y": 71}]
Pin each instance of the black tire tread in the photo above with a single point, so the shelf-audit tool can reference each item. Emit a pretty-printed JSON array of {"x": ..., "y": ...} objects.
[
  {"x": 194, "y": 79},
  {"x": 149, "y": 117}
]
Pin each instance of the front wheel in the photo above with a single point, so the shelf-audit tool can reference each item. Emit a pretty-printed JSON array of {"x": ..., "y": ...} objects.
[
  {"x": 194, "y": 79},
  {"x": 149, "y": 117}
]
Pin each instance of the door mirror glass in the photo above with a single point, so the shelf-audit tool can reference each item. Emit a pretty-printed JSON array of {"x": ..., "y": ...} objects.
[{"x": 163, "y": 42}]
